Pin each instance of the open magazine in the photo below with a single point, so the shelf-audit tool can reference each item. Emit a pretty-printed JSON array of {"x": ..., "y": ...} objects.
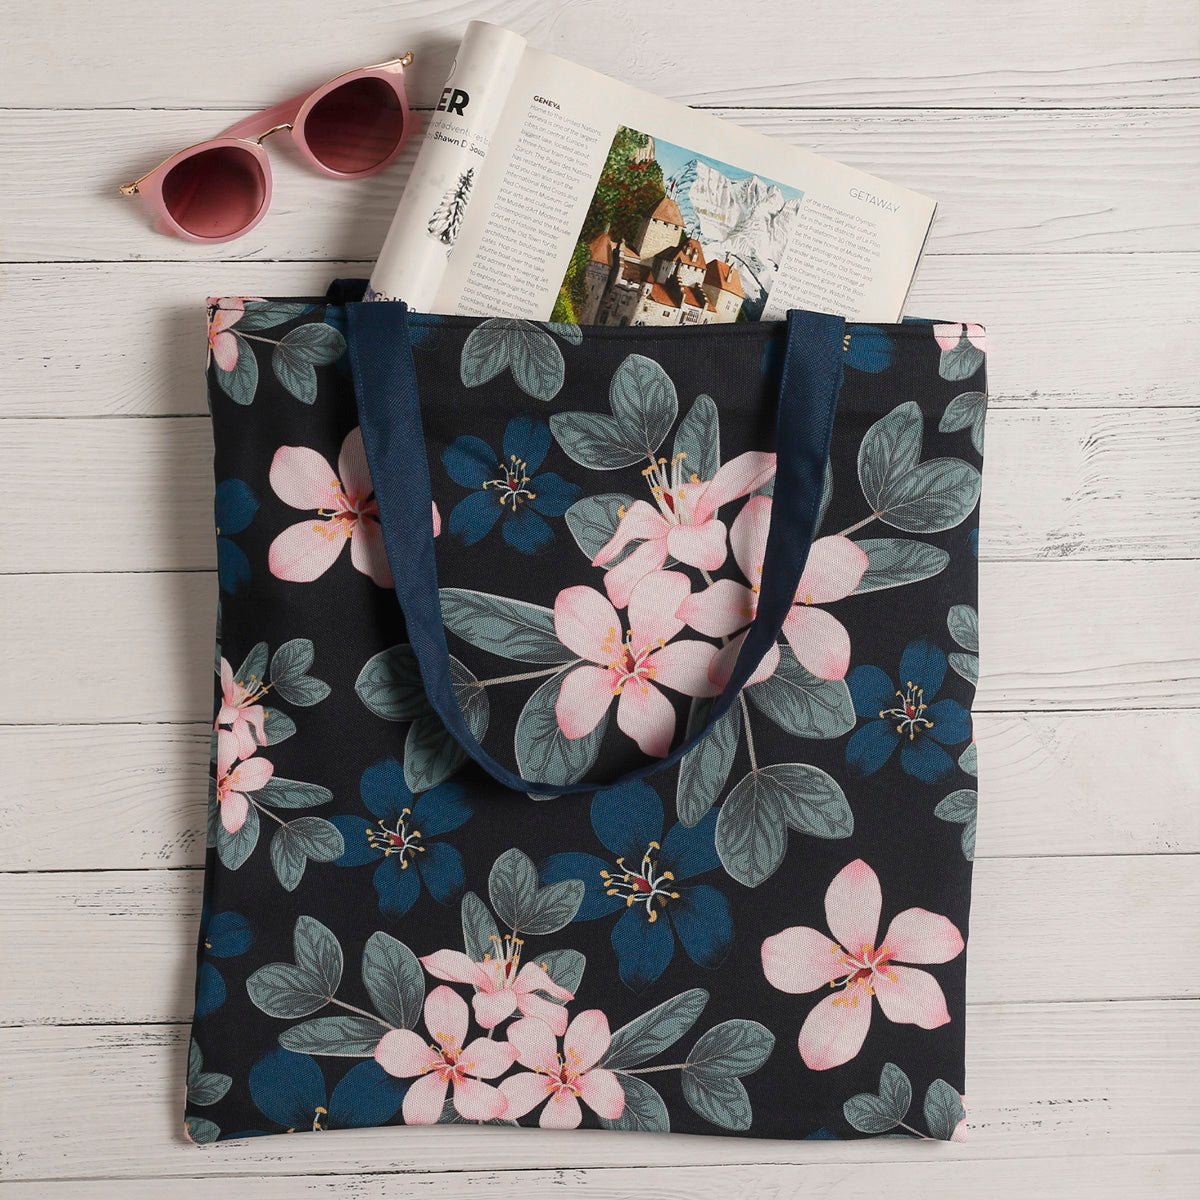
[{"x": 547, "y": 191}]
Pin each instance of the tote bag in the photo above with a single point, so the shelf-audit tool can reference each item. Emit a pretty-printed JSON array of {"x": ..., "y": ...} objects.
[{"x": 592, "y": 739}]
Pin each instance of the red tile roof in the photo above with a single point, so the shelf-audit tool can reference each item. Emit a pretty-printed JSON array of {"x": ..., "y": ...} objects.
[
  {"x": 667, "y": 211},
  {"x": 724, "y": 276}
]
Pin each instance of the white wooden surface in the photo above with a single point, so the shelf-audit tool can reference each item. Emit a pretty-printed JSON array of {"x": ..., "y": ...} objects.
[{"x": 1062, "y": 138}]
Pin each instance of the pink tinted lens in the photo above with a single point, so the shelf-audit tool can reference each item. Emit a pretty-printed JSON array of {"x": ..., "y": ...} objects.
[
  {"x": 356, "y": 126},
  {"x": 215, "y": 193}
]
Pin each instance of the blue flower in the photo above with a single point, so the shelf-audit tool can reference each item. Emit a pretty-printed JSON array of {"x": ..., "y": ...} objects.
[
  {"x": 906, "y": 716},
  {"x": 867, "y": 348},
  {"x": 289, "y": 1088},
  {"x": 233, "y": 510},
  {"x": 645, "y": 883},
  {"x": 225, "y": 935},
  {"x": 401, "y": 838},
  {"x": 973, "y": 542},
  {"x": 506, "y": 486}
]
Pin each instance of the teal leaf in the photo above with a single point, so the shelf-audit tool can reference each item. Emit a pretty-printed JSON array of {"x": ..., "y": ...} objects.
[
  {"x": 800, "y": 703},
  {"x": 968, "y": 760},
  {"x": 544, "y": 753},
  {"x": 234, "y": 848},
  {"x": 277, "y": 726},
  {"x": 565, "y": 967},
  {"x": 253, "y": 671},
  {"x": 871, "y": 1113},
  {"x": 654, "y": 1031},
  {"x": 520, "y": 346},
  {"x": 513, "y": 887},
  {"x": 963, "y": 623},
  {"x": 201, "y": 1130},
  {"x": 826, "y": 493},
  {"x": 267, "y": 316},
  {"x": 390, "y": 685},
  {"x": 812, "y": 801},
  {"x": 961, "y": 808},
  {"x": 644, "y": 402},
  {"x": 281, "y": 990},
  {"x": 554, "y": 907},
  {"x": 204, "y": 1087},
  {"x": 300, "y": 352},
  {"x": 512, "y": 629},
  {"x": 431, "y": 754},
  {"x": 966, "y": 411},
  {"x": 593, "y": 521},
  {"x": 733, "y": 1048},
  {"x": 704, "y": 770},
  {"x": 480, "y": 933},
  {"x": 721, "y": 1100},
  {"x": 292, "y": 793},
  {"x": 595, "y": 440},
  {"x": 966, "y": 665},
  {"x": 472, "y": 698},
  {"x": 342, "y": 1036},
  {"x": 751, "y": 835},
  {"x": 698, "y": 438},
  {"x": 295, "y": 843},
  {"x": 569, "y": 333},
  {"x": 943, "y": 1110},
  {"x": 894, "y": 562},
  {"x": 392, "y": 975},
  {"x": 318, "y": 953},
  {"x": 303, "y": 690},
  {"x": 289, "y": 674},
  {"x": 241, "y": 383},
  {"x": 644, "y": 1110},
  {"x": 961, "y": 362}
]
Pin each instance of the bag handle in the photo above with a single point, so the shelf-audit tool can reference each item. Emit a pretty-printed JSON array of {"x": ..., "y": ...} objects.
[{"x": 389, "y": 414}]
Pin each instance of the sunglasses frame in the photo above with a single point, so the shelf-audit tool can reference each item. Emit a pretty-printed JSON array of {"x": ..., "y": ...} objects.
[{"x": 250, "y": 133}]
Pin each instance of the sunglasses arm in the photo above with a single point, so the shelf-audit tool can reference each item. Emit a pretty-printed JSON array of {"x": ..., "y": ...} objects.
[{"x": 272, "y": 118}]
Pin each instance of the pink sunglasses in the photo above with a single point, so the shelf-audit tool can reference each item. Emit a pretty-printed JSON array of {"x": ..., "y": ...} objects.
[{"x": 351, "y": 127}]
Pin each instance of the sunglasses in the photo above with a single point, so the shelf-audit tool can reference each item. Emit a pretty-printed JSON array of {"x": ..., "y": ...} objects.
[{"x": 351, "y": 127}]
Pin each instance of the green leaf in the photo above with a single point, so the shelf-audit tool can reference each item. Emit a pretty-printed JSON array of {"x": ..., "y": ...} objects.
[
  {"x": 282, "y": 990},
  {"x": 513, "y": 887},
  {"x": 871, "y": 1113},
  {"x": 644, "y": 1110},
  {"x": 253, "y": 671},
  {"x": 392, "y": 975},
  {"x": 826, "y": 493},
  {"x": 894, "y": 562},
  {"x": 486, "y": 352},
  {"x": 258, "y": 315},
  {"x": 966, "y": 411},
  {"x": 595, "y": 440},
  {"x": 961, "y": 362},
  {"x": 431, "y": 754},
  {"x": 593, "y": 521},
  {"x": 201, "y": 1130},
  {"x": 472, "y": 699},
  {"x": 532, "y": 355},
  {"x": 961, "y": 808},
  {"x": 544, "y": 753},
  {"x": 241, "y": 383},
  {"x": 966, "y": 665},
  {"x": 704, "y": 770},
  {"x": 554, "y": 907},
  {"x": 291, "y": 660},
  {"x": 733, "y": 1048},
  {"x": 390, "y": 685},
  {"x": 507, "y": 628},
  {"x": 565, "y": 967},
  {"x": 568, "y": 333},
  {"x": 292, "y": 793},
  {"x": 300, "y": 351},
  {"x": 812, "y": 801},
  {"x": 300, "y": 840},
  {"x": 890, "y": 449},
  {"x": 480, "y": 933},
  {"x": 304, "y": 690},
  {"x": 963, "y": 623},
  {"x": 644, "y": 402},
  {"x": 751, "y": 835},
  {"x": 341, "y": 1037},
  {"x": 655, "y": 1031},
  {"x": 943, "y": 1110},
  {"x": 968, "y": 760},
  {"x": 204, "y": 1087},
  {"x": 234, "y": 848},
  {"x": 698, "y": 438},
  {"x": 800, "y": 703},
  {"x": 723, "y": 1101},
  {"x": 318, "y": 953},
  {"x": 277, "y": 726}
]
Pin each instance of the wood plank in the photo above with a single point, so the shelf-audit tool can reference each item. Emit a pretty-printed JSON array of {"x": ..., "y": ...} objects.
[
  {"x": 1035, "y": 930},
  {"x": 1091, "y": 180},
  {"x": 1049, "y": 1080},
  {"x": 1053, "y": 784},
  {"x": 1078, "y": 484},
  {"x": 1070, "y": 634},
  {"x": 1113, "y": 1177},
  {"x": 1063, "y": 327},
  {"x": 1040, "y": 54}
]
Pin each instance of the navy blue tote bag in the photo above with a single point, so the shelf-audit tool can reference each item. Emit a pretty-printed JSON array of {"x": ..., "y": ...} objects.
[{"x": 592, "y": 741}]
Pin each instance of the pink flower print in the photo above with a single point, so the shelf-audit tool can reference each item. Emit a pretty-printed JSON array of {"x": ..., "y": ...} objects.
[
  {"x": 563, "y": 1079},
  {"x": 446, "y": 1061},
  {"x": 859, "y": 969},
  {"x": 683, "y": 524},
  {"x": 630, "y": 669},
  {"x": 437, "y": 521},
  {"x": 245, "y": 718},
  {"x": 345, "y": 511},
  {"x": 503, "y": 984},
  {"x": 223, "y": 345},
  {"x": 234, "y": 781},
  {"x": 948, "y": 336},
  {"x": 835, "y": 567}
]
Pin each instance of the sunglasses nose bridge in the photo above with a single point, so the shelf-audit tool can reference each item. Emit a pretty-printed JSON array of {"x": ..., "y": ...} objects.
[{"x": 262, "y": 137}]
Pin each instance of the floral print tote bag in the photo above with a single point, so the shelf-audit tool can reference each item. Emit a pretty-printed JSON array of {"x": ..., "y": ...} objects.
[{"x": 592, "y": 738}]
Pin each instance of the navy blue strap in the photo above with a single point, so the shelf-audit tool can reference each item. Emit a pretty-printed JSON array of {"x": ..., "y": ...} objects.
[{"x": 389, "y": 412}]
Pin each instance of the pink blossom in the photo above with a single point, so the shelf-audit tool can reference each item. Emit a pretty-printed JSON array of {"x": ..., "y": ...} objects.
[
  {"x": 246, "y": 720},
  {"x": 223, "y": 345},
  {"x": 630, "y": 669},
  {"x": 835, "y": 567},
  {"x": 684, "y": 524},
  {"x": 345, "y": 511},
  {"x": 802, "y": 959},
  {"x": 437, "y": 521},
  {"x": 233, "y": 782},
  {"x": 563, "y": 1079},
  {"x": 503, "y": 984},
  {"x": 948, "y": 336},
  {"x": 446, "y": 1061}
]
